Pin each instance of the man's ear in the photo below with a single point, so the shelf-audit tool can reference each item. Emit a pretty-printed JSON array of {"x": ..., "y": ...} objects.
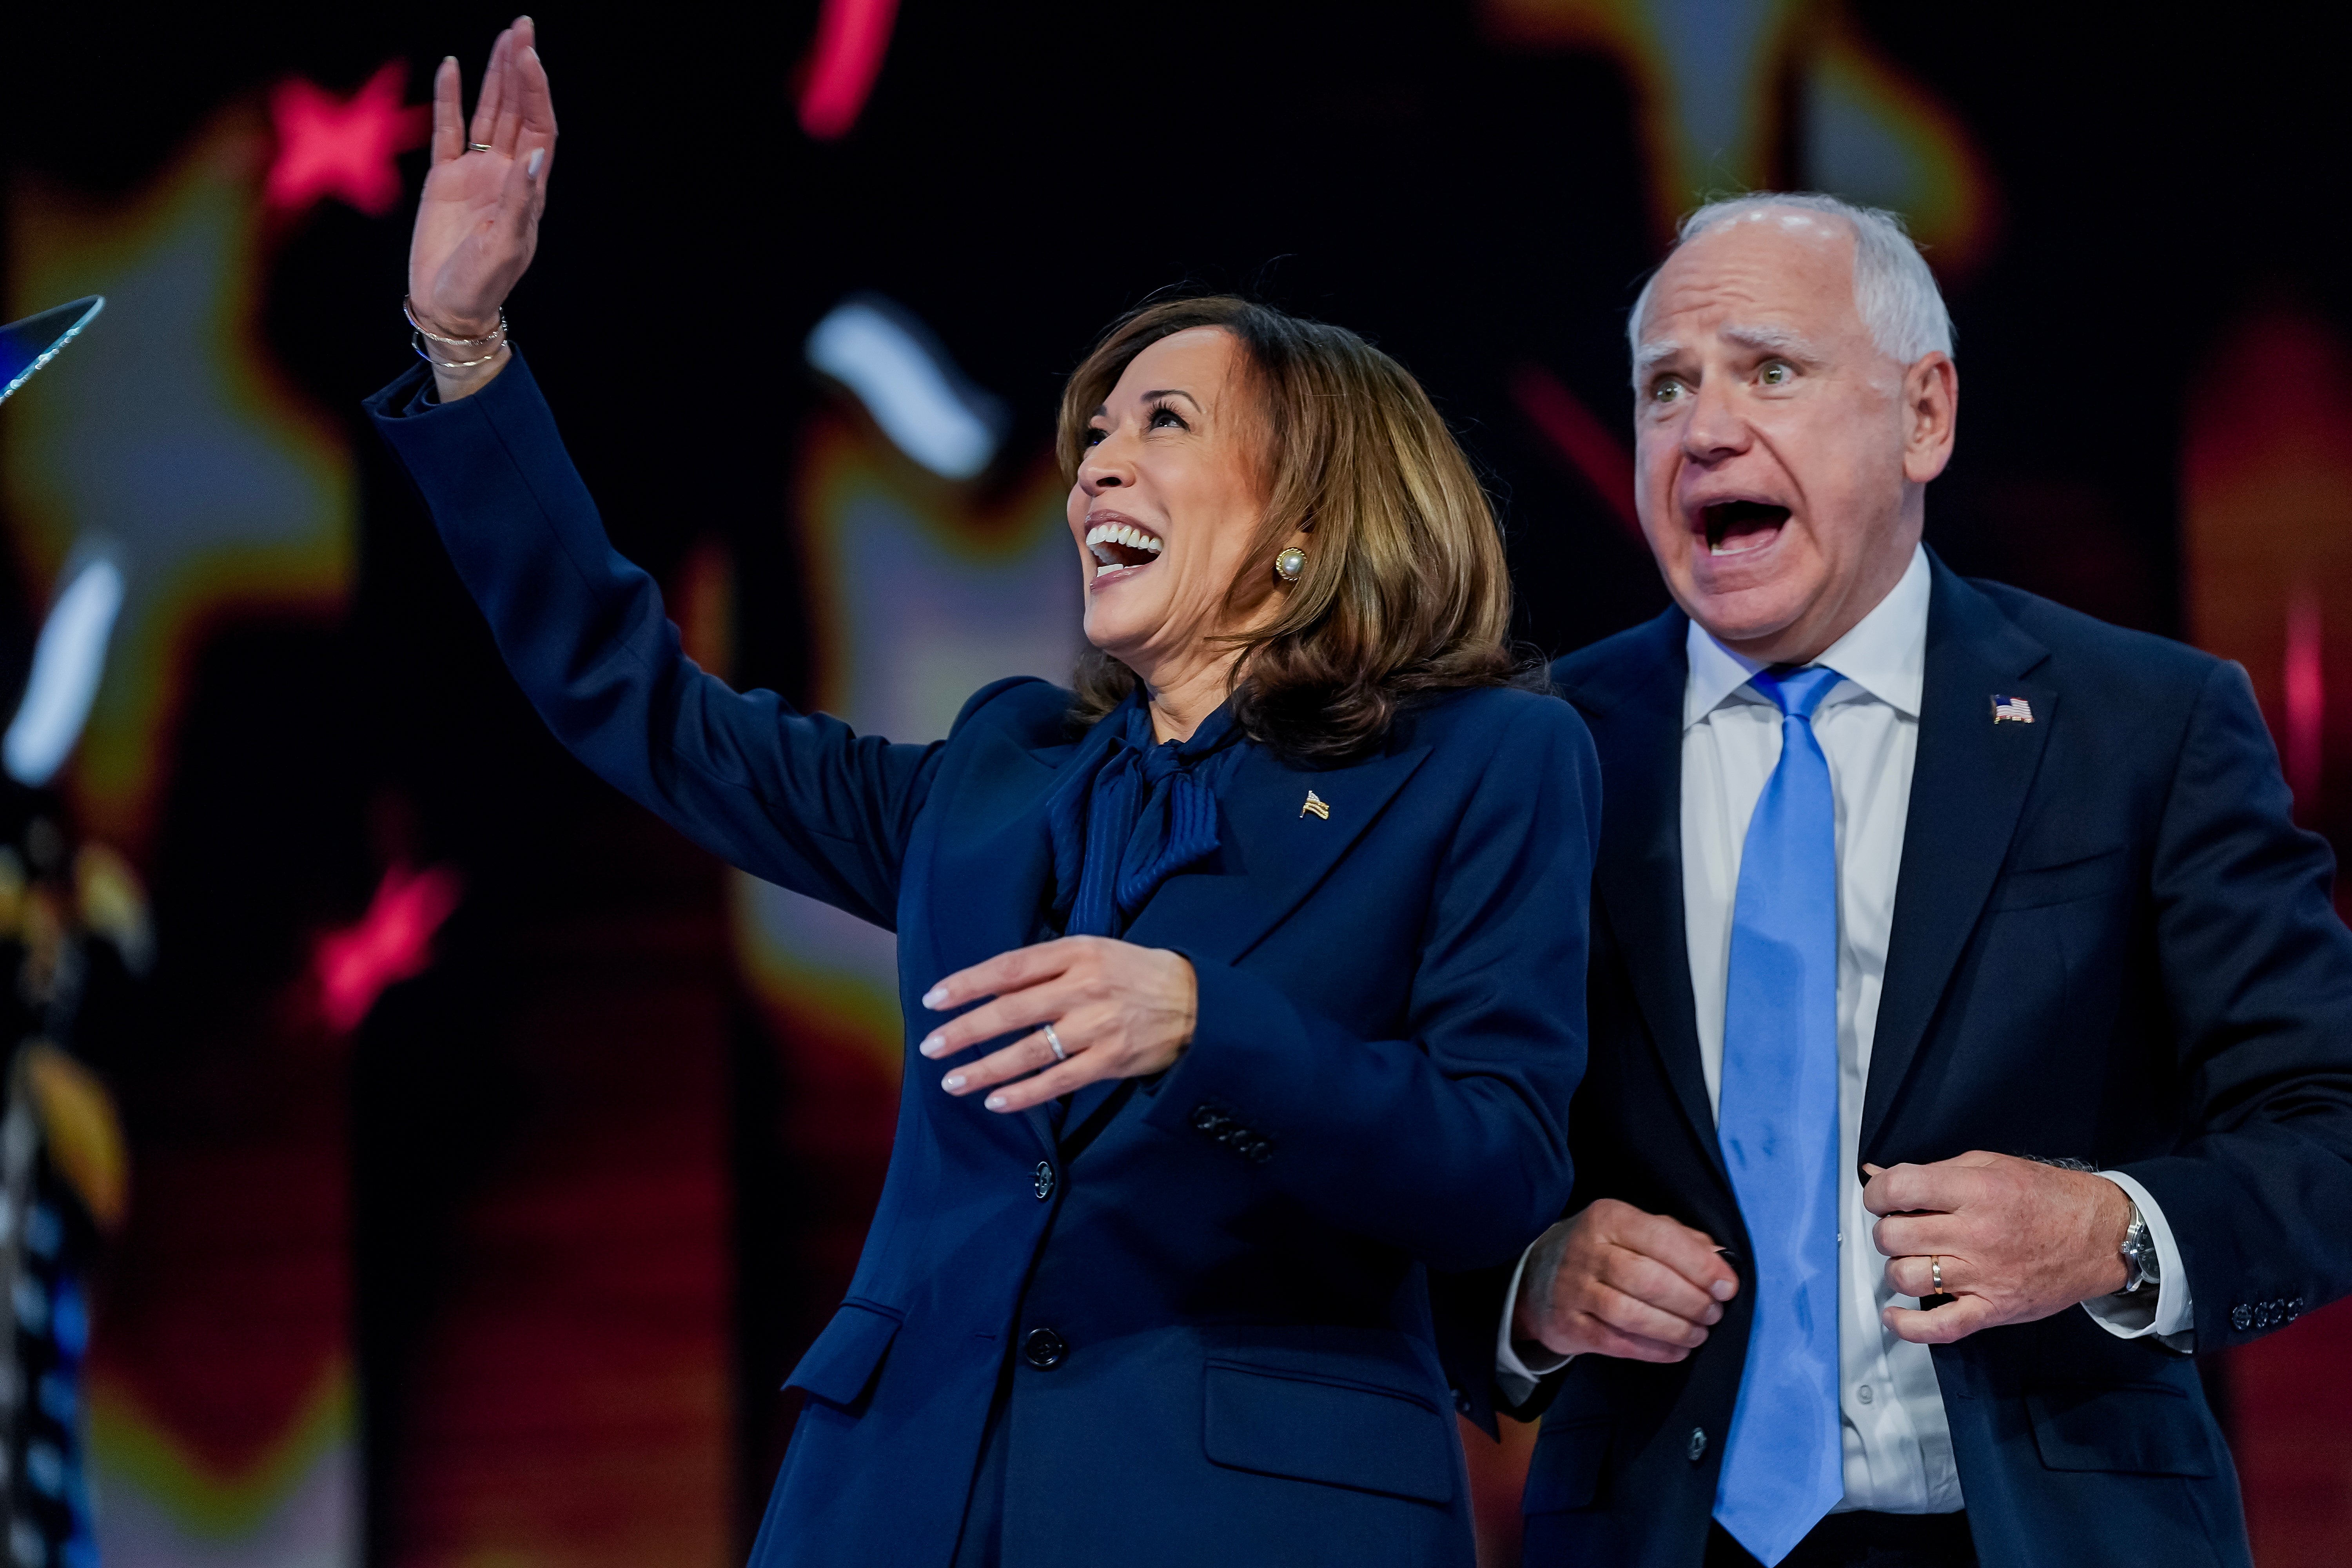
[{"x": 1931, "y": 412}]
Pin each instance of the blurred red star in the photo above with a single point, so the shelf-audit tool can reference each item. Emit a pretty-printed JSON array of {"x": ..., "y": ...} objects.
[{"x": 344, "y": 148}]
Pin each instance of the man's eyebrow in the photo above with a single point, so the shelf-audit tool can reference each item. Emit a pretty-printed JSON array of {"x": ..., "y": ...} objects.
[
  {"x": 1773, "y": 339},
  {"x": 1650, "y": 352}
]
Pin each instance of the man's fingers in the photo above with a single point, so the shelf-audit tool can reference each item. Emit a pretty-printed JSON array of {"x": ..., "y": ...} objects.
[
  {"x": 1690, "y": 1253},
  {"x": 448, "y": 141},
  {"x": 1943, "y": 1324},
  {"x": 1599, "y": 1338},
  {"x": 1647, "y": 1279},
  {"x": 1916, "y": 1236},
  {"x": 1631, "y": 1315},
  {"x": 1916, "y": 1276}
]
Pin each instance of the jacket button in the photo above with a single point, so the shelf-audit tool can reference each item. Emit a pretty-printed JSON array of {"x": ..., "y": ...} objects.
[
  {"x": 1696, "y": 1447},
  {"x": 1044, "y": 1181},
  {"x": 1044, "y": 1349}
]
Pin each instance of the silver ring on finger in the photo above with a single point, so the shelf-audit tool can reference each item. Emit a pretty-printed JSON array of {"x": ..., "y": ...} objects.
[
  {"x": 1054, "y": 1044},
  {"x": 478, "y": 147}
]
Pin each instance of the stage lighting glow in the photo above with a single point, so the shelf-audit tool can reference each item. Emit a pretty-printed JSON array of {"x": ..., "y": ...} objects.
[
  {"x": 66, "y": 663},
  {"x": 344, "y": 148},
  {"x": 391, "y": 942},
  {"x": 908, "y": 385},
  {"x": 851, "y": 37}
]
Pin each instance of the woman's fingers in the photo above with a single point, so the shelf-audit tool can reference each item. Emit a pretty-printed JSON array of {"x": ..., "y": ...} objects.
[
  {"x": 1023, "y": 1009},
  {"x": 538, "y": 112},
  {"x": 1007, "y": 972},
  {"x": 494, "y": 81},
  {"x": 506, "y": 134},
  {"x": 1024, "y": 1055},
  {"x": 448, "y": 140}
]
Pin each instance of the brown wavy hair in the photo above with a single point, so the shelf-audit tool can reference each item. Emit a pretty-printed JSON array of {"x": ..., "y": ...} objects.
[{"x": 1405, "y": 591}]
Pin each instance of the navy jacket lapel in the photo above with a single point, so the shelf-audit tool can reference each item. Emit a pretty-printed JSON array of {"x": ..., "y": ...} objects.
[
  {"x": 1272, "y": 852},
  {"x": 1634, "y": 704},
  {"x": 995, "y": 871},
  {"x": 1967, "y": 787}
]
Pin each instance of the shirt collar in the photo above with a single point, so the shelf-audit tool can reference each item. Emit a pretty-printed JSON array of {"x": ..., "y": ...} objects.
[{"x": 1886, "y": 654}]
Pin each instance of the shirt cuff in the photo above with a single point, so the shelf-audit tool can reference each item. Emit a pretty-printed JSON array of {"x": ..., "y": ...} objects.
[
  {"x": 1513, "y": 1375},
  {"x": 2131, "y": 1317}
]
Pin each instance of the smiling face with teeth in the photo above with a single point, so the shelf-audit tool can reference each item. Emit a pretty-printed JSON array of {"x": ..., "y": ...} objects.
[
  {"x": 1783, "y": 458},
  {"x": 1170, "y": 493}
]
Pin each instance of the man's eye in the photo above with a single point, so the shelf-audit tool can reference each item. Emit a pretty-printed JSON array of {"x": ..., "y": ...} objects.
[
  {"x": 1776, "y": 374},
  {"x": 1666, "y": 389}
]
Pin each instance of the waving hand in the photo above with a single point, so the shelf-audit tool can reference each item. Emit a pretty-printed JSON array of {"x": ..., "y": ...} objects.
[{"x": 478, "y": 222}]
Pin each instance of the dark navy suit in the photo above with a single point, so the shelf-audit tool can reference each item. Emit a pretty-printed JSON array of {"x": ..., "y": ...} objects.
[
  {"x": 1206, "y": 1290},
  {"x": 2110, "y": 942}
]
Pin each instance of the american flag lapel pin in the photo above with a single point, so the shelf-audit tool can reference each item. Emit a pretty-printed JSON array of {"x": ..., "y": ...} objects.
[
  {"x": 1315, "y": 804},
  {"x": 2016, "y": 708}
]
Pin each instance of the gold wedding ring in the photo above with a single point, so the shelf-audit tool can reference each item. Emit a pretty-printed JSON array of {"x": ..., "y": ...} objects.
[{"x": 1935, "y": 1274}]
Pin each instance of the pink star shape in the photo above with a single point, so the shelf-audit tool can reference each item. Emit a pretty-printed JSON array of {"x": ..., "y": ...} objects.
[{"x": 344, "y": 148}]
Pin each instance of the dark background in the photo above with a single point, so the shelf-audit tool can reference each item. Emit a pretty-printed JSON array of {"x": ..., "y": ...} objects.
[{"x": 1019, "y": 177}]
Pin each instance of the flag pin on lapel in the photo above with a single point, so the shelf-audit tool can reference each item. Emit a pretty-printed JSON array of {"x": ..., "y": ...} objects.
[
  {"x": 2016, "y": 708},
  {"x": 1315, "y": 804}
]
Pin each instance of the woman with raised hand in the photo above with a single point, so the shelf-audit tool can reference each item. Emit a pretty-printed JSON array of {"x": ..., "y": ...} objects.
[{"x": 1244, "y": 983}]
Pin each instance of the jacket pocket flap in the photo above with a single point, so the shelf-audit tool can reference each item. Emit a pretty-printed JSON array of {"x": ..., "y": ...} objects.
[
  {"x": 1565, "y": 1472},
  {"x": 1342, "y": 1435},
  {"x": 840, "y": 1367},
  {"x": 2132, "y": 1428}
]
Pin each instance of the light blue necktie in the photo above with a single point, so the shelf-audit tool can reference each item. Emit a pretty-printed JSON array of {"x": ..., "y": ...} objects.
[{"x": 1777, "y": 1122}]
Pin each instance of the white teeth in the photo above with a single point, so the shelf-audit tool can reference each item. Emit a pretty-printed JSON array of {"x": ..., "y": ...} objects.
[{"x": 1121, "y": 533}]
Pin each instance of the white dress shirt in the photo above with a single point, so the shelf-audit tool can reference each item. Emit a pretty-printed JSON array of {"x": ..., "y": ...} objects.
[{"x": 1898, "y": 1446}]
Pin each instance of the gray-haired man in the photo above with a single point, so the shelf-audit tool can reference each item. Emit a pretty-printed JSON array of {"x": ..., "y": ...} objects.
[{"x": 1897, "y": 869}]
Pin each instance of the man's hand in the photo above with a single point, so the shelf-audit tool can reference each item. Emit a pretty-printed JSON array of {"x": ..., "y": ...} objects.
[
  {"x": 1119, "y": 1011},
  {"x": 2015, "y": 1240},
  {"x": 1614, "y": 1280}
]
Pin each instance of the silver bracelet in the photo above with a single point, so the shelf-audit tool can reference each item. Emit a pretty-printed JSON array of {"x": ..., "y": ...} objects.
[
  {"x": 408, "y": 308},
  {"x": 416, "y": 341}
]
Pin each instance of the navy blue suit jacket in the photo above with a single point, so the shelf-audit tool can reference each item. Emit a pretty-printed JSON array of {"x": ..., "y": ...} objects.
[
  {"x": 1391, "y": 1026},
  {"x": 2110, "y": 942}
]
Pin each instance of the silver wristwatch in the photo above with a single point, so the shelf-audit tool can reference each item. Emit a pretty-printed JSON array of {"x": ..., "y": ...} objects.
[{"x": 2139, "y": 1249}]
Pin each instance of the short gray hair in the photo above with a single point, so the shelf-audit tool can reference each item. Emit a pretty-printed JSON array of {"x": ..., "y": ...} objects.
[{"x": 1893, "y": 292}]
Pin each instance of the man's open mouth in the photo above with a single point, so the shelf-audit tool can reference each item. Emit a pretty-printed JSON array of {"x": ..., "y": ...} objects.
[
  {"x": 1121, "y": 547},
  {"x": 1736, "y": 527}
]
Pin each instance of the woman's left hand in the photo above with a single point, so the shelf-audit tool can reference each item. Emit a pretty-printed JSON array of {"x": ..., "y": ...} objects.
[{"x": 1119, "y": 1010}]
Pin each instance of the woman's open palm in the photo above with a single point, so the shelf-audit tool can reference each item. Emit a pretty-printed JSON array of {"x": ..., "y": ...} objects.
[{"x": 478, "y": 222}]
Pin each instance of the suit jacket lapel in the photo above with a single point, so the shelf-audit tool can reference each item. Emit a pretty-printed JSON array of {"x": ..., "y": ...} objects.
[
  {"x": 994, "y": 867},
  {"x": 1968, "y": 785},
  {"x": 1633, "y": 706},
  {"x": 1272, "y": 852}
]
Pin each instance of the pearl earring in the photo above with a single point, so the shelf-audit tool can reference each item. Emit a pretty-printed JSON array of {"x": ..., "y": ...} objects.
[{"x": 1290, "y": 564}]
